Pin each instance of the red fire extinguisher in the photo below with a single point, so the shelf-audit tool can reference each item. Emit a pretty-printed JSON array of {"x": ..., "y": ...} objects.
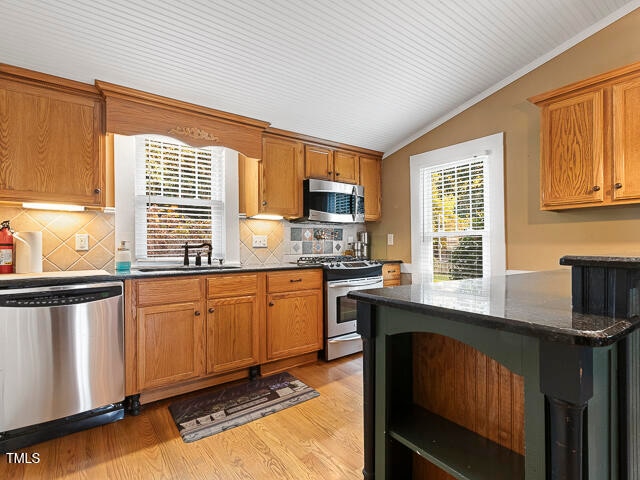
[{"x": 6, "y": 248}]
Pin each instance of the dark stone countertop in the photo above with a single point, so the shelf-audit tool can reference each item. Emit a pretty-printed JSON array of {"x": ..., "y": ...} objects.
[
  {"x": 87, "y": 276},
  {"x": 534, "y": 304},
  {"x": 601, "y": 261}
]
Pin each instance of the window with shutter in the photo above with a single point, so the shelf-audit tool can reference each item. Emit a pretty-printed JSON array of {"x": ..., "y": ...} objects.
[
  {"x": 457, "y": 210},
  {"x": 179, "y": 197}
]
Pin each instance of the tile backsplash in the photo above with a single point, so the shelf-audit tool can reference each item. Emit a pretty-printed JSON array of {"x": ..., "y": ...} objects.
[
  {"x": 286, "y": 241},
  {"x": 58, "y": 237}
]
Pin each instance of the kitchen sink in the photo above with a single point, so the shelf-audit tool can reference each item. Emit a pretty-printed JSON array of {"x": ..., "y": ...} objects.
[{"x": 182, "y": 268}]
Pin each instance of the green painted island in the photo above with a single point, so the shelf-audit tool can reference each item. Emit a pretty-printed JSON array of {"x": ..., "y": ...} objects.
[{"x": 500, "y": 378}]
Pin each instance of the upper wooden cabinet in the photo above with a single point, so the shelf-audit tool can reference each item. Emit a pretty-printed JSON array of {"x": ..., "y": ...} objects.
[
  {"x": 370, "y": 178},
  {"x": 328, "y": 164},
  {"x": 590, "y": 154},
  {"x": 345, "y": 167},
  {"x": 318, "y": 162},
  {"x": 626, "y": 139},
  {"x": 273, "y": 185},
  {"x": 51, "y": 139}
]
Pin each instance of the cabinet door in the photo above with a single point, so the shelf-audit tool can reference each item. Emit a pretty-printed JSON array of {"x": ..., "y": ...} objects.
[
  {"x": 571, "y": 170},
  {"x": 232, "y": 333},
  {"x": 281, "y": 177},
  {"x": 370, "y": 179},
  {"x": 318, "y": 162},
  {"x": 50, "y": 146},
  {"x": 170, "y": 344},
  {"x": 626, "y": 139},
  {"x": 346, "y": 167},
  {"x": 294, "y": 323}
]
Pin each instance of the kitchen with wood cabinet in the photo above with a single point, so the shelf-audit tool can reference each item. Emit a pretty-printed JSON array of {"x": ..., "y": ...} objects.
[{"x": 177, "y": 341}]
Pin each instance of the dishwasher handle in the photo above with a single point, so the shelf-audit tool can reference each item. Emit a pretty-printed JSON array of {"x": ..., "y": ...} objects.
[{"x": 60, "y": 295}]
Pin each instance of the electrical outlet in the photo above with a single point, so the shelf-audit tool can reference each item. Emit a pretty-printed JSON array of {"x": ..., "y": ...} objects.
[
  {"x": 389, "y": 238},
  {"x": 259, "y": 241},
  {"x": 82, "y": 241}
]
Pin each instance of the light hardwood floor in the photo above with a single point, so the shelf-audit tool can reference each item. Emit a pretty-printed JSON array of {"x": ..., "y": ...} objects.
[{"x": 318, "y": 439}]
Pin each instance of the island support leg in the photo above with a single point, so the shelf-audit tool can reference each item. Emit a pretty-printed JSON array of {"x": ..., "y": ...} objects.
[
  {"x": 366, "y": 329},
  {"x": 566, "y": 379}
]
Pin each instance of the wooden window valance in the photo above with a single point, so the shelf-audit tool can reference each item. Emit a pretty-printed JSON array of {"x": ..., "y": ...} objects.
[{"x": 134, "y": 112}]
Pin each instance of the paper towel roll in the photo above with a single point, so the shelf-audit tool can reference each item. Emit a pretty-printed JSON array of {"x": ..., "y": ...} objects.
[{"x": 28, "y": 252}]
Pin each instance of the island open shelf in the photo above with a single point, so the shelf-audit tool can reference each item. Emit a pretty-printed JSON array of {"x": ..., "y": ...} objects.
[{"x": 462, "y": 453}]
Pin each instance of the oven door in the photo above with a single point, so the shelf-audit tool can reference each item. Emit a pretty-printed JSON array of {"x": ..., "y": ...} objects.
[{"x": 341, "y": 310}]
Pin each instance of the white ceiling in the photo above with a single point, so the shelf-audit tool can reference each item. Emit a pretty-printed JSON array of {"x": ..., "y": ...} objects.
[{"x": 371, "y": 73}]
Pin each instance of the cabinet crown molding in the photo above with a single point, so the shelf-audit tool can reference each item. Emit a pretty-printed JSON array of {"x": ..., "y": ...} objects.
[{"x": 591, "y": 82}]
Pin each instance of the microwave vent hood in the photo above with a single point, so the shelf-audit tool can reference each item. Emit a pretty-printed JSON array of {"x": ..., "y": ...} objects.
[{"x": 332, "y": 202}]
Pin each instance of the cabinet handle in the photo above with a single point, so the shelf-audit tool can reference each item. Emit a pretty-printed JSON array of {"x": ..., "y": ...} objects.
[
  {"x": 264, "y": 203},
  {"x": 391, "y": 271},
  {"x": 271, "y": 304},
  {"x": 337, "y": 174},
  {"x": 211, "y": 310},
  {"x": 296, "y": 280},
  {"x": 618, "y": 185},
  {"x": 96, "y": 190},
  {"x": 197, "y": 313},
  {"x": 595, "y": 188},
  {"x": 329, "y": 173}
]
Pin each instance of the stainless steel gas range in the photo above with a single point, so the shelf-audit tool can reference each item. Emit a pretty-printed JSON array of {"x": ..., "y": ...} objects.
[{"x": 342, "y": 275}]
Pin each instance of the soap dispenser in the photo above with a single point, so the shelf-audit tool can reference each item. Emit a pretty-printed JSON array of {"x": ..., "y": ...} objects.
[{"x": 123, "y": 258}]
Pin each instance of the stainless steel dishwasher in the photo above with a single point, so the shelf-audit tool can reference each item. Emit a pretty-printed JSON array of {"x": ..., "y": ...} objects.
[{"x": 61, "y": 360}]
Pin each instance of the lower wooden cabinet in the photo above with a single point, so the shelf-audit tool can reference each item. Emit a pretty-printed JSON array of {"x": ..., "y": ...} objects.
[
  {"x": 170, "y": 344},
  {"x": 186, "y": 333},
  {"x": 294, "y": 313},
  {"x": 292, "y": 323},
  {"x": 233, "y": 322}
]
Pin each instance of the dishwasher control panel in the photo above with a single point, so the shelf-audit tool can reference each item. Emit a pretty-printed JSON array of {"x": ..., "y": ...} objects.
[{"x": 29, "y": 298}]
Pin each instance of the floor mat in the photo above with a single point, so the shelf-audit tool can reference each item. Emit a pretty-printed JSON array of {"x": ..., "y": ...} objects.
[{"x": 227, "y": 407}]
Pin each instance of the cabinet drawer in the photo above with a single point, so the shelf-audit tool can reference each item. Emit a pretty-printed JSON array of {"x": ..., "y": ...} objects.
[
  {"x": 158, "y": 292},
  {"x": 232, "y": 285},
  {"x": 391, "y": 271},
  {"x": 290, "y": 281}
]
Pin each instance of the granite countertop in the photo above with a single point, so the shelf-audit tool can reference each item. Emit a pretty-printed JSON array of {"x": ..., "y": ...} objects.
[
  {"x": 18, "y": 280},
  {"x": 601, "y": 261},
  {"x": 535, "y": 304}
]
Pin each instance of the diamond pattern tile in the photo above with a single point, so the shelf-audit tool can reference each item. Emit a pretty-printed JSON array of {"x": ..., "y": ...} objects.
[{"x": 58, "y": 237}]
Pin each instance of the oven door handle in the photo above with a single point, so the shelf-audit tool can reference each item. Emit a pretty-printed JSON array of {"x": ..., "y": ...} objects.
[{"x": 359, "y": 284}]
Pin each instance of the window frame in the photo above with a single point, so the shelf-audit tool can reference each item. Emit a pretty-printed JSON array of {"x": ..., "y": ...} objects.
[
  {"x": 125, "y": 199},
  {"x": 492, "y": 147}
]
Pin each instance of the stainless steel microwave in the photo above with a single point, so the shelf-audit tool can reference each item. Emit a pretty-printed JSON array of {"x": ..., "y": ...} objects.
[{"x": 332, "y": 202}]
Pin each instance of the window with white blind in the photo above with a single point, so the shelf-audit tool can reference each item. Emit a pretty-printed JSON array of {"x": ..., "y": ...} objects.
[
  {"x": 179, "y": 197},
  {"x": 457, "y": 210}
]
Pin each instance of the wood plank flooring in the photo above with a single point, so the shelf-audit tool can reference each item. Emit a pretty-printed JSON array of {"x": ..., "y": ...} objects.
[{"x": 318, "y": 439}]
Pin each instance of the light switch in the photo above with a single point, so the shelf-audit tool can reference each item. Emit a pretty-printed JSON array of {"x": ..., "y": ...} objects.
[
  {"x": 82, "y": 241},
  {"x": 259, "y": 241}
]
